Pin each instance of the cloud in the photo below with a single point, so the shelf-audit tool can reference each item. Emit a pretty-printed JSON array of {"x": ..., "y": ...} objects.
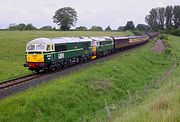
[{"x": 90, "y": 12}]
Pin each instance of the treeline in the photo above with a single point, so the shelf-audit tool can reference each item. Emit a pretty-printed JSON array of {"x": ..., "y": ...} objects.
[
  {"x": 23, "y": 26},
  {"x": 129, "y": 26},
  {"x": 166, "y": 19},
  {"x": 138, "y": 30}
]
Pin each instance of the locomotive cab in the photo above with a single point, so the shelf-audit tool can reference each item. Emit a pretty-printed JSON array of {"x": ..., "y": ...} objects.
[{"x": 35, "y": 50}]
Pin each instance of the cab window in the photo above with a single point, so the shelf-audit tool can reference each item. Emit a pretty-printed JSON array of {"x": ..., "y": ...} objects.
[
  {"x": 48, "y": 47},
  {"x": 40, "y": 47},
  {"x": 31, "y": 47}
]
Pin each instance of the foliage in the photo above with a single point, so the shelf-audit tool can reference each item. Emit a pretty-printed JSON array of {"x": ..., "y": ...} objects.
[
  {"x": 176, "y": 19},
  {"x": 142, "y": 27},
  {"x": 21, "y": 27},
  {"x": 168, "y": 50},
  {"x": 163, "y": 37},
  {"x": 48, "y": 27},
  {"x": 65, "y": 18},
  {"x": 151, "y": 19},
  {"x": 136, "y": 32},
  {"x": 172, "y": 31},
  {"x": 82, "y": 93},
  {"x": 176, "y": 32},
  {"x": 108, "y": 29},
  {"x": 120, "y": 28},
  {"x": 160, "y": 18},
  {"x": 30, "y": 27},
  {"x": 129, "y": 26},
  {"x": 96, "y": 28},
  {"x": 81, "y": 28},
  {"x": 169, "y": 16}
]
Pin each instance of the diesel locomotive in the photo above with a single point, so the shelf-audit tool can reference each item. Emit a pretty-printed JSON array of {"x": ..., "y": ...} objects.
[{"x": 47, "y": 54}]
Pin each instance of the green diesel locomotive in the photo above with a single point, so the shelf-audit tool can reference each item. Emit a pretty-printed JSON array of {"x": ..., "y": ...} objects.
[{"x": 46, "y": 54}]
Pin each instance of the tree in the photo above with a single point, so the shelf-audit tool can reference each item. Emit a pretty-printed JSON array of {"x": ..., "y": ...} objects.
[
  {"x": 96, "y": 28},
  {"x": 81, "y": 28},
  {"x": 48, "y": 27},
  {"x": 21, "y": 26},
  {"x": 30, "y": 27},
  {"x": 65, "y": 18},
  {"x": 152, "y": 18},
  {"x": 108, "y": 29},
  {"x": 176, "y": 19},
  {"x": 168, "y": 16},
  {"x": 161, "y": 17},
  {"x": 129, "y": 26},
  {"x": 120, "y": 28},
  {"x": 142, "y": 27},
  {"x": 13, "y": 26}
]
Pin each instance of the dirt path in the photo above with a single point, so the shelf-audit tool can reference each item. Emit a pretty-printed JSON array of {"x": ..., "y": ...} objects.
[{"x": 158, "y": 46}]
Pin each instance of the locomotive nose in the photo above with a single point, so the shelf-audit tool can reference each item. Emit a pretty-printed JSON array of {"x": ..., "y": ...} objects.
[{"x": 35, "y": 58}]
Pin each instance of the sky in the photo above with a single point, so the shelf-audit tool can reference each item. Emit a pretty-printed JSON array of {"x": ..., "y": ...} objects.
[{"x": 103, "y": 13}]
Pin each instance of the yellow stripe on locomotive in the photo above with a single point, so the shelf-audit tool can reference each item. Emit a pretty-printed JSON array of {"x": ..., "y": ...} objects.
[{"x": 35, "y": 58}]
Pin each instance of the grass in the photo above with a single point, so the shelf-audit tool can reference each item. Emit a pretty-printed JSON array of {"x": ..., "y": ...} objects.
[
  {"x": 82, "y": 93},
  {"x": 13, "y": 43},
  {"x": 162, "y": 104}
]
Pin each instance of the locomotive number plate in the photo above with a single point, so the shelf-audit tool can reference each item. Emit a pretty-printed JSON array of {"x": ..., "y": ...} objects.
[{"x": 60, "y": 56}]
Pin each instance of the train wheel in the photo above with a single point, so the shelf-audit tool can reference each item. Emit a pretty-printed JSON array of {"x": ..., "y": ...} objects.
[{"x": 37, "y": 71}]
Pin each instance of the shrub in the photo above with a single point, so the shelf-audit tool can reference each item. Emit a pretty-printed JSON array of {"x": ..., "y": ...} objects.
[
  {"x": 168, "y": 50},
  {"x": 176, "y": 32},
  {"x": 163, "y": 37},
  {"x": 136, "y": 32}
]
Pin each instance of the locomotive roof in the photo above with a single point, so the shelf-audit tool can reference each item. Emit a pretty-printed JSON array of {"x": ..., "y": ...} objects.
[
  {"x": 135, "y": 37},
  {"x": 120, "y": 37},
  {"x": 59, "y": 40},
  {"x": 102, "y": 38}
]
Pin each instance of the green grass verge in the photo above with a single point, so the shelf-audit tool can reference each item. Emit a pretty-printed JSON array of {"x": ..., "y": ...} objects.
[
  {"x": 12, "y": 50},
  {"x": 82, "y": 93},
  {"x": 161, "y": 105}
]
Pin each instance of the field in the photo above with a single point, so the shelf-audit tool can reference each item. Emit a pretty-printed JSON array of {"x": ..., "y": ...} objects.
[
  {"x": 12, "y": 50},
  {"x": 162, "y": 104},
  {"x": 82, "y": 94}
]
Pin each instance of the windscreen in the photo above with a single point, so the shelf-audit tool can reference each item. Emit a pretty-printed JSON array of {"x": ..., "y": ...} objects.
[
  {"x": 40, "y": 47},
  {"x": 31, "y": 47},
  {"x": 36, "y": 47}
]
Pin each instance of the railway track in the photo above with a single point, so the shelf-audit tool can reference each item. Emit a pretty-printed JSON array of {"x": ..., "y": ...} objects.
[{"x": 17, "y": 81}]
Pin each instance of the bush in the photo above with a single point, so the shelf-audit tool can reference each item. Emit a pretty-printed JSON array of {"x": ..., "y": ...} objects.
[
  {"x": 172, "y": 31},
  {"x": 176, "y": 32},
  {"x": 136, "y": 32},
  {"x": 168, "y": 51},
  {"x": 163, "y": 37}
]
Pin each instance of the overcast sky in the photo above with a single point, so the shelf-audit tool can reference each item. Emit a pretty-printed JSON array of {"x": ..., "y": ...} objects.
[{"x": 90, "y": 12}]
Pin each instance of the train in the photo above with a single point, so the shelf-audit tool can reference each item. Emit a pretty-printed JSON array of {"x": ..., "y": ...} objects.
[{"x": 49, "y": 54}]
